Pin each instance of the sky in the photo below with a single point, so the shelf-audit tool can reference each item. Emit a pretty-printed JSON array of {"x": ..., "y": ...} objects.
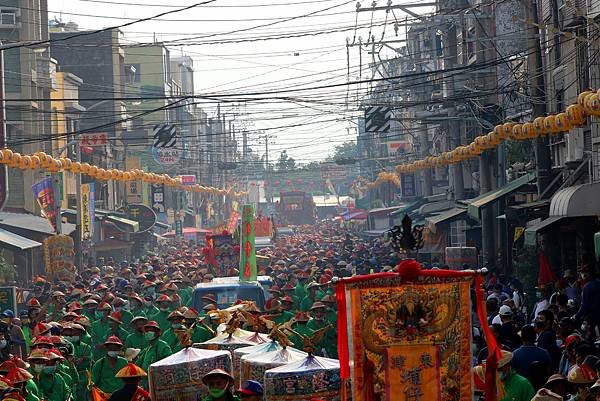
[{"x": 227, "y": 39}]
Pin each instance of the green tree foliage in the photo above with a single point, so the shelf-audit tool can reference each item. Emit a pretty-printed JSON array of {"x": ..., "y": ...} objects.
[
  {"x": 518, "y": 152},
  {"x": 347, "y": 150},
  {"x": 285, "y": 162}
]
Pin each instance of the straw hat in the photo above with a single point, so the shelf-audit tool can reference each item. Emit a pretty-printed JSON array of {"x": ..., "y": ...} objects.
[
  {"x": 131, "y": 370},
  {"x": 546, "y": 395}
]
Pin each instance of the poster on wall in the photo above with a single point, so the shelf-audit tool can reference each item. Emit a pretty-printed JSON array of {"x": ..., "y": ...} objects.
[{"x": 43, "y": 192}]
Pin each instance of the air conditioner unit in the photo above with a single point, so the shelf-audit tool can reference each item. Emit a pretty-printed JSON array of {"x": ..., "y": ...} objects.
[
  {"x": 575, "y": 145},
  {"x": 437, "y": 95}
]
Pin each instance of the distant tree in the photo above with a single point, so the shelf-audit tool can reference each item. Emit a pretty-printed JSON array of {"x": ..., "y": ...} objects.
[
  {"x": 311, "y": 166},
  {"x": 285, "y": 162},
  {"x": 345, "y": 151},
  {"x": 517, "y": 152}
]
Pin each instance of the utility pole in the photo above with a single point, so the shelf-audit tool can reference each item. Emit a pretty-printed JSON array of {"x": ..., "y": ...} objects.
[
  {"x": 536, "y": 83},
  {"x": 268, "y": 191}
]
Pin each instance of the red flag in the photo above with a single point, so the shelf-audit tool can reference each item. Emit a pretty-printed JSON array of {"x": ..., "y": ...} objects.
[{"x": 546, "y": 275}]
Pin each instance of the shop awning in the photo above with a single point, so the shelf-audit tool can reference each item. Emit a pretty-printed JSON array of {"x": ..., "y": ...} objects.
[
  {"x": 355, "y": 215},
  {"x": 475, "y": 205},
  {"x": 407, "y": 208},
  {"x": 111, "y": 244},
  {"x": 123, "y": 223},
  {"x": 532, "y": 232},
  {"x": 445, "y": 217},
  {"x": 31, "y": 222},
  {"x": 162, "y": 225},
  {"x": 16, "y": 241},
  {"x": 576, "y": 201}
]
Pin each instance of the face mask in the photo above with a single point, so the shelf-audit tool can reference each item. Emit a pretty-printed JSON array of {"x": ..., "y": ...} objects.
[
  {"x": 37, "y": 368},
  {"x": 164, "y": 309},
  {"x": 73, "y": 339},
  {"x": 3, "y": 344},
  {"x": 113, "y": 354},
  {"x": 49, "y": 369},
  {"x": 502, "y": 376},
  {"x": 584, "y": 327},
  {"x": 149, "y": 335},
  {"x": 176, "y": 326},
  {"x": 216, "y": 392},
  {"x": 538, "y": 294}
]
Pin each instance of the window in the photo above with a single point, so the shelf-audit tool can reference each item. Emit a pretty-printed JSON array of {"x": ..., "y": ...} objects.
[
  {"x": 457, "y": 233},
  {"x": 8, "y": 17}
]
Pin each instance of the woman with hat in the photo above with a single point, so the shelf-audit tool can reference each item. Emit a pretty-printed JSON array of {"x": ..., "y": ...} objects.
[
  {"x": 220, "y": 385},
  {"x": 105, "y": 369},
  {"x": 131, "y": 375}
]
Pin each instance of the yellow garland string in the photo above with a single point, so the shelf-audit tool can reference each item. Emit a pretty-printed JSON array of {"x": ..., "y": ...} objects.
[
  {"x": 575, "y": 116},
  {"x": 43, "y": 161}
]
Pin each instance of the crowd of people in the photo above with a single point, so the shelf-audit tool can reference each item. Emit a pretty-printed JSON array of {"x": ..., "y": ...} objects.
[
  {"x": 98, "y": 335},
  {"x": 550, "y": 351}
]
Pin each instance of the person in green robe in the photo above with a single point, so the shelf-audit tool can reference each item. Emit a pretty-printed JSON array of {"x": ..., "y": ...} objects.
[
  {"x": 89, "y": 310},
  {"x": 300, "y": 330},
  {"x": 24, "y": 316},
  {"x": 156, "y": 349},
  {"x": 100, "y": 329},
  {"x": 220, "y": 386},
  {"x": 49, "y": 381},
  {"x": 115, "y": 321},
  {"x": 149, "y": 307},
  {"x": 126, "y": 315},
  {"x": 310, "y": 297},
  {"x": 137, "y": 339},
  {"x": 105, "y": 369},
  {"x": 23, "y": 383},
  {"x": 186, "y": 292},
  {"x": 170, "y": 335},
  {"x": 331, "y": 312},
  {"x": 276, "y": 312},
  {"x": 136, "y": 306},
  {"x": 37, "y": 360},
  {"x": 82, "y": 357},
  {"x": 200, "y": 331},
  {"x": 288, "y": 291},
  {"x": 301, "y": 291},
  {"x": 326, "y": 346},
  {"x": 162, "y": 316}
]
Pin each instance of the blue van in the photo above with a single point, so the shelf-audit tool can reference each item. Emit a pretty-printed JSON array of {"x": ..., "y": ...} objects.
[{"x": 228, "y": 292}]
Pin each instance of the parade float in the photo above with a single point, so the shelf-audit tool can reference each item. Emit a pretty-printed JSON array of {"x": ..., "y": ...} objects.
[
  {"x": 179, "y": 376},
  {"x": 305, "y": 379}
]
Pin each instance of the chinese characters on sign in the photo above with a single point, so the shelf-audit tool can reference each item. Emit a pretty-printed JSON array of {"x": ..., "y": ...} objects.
[
  {"x": 87, "y": 211},
  {"x": 248, "y": 270},
  {"x": 58, "y": 255},
  {"x": 158, "y": 198},
  {"x": 142, "y": 214},
  {"x": 43, "y": 192},
  {"x": 94, "y": 139}
]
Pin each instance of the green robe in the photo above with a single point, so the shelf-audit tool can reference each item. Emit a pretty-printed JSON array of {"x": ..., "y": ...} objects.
[
  {"x": 82, "y": 351},
  {"x": 53, "y": 387},
  {"x": 329, "y": 341},
  {"x": 303, "y": 330},
  {"x": 155, "y": 351},
  {"x": 135, "y": 340},
  {"x": 162, "y": 319},
  {"x": 170, "y": 337},
  {"x": 283, "y": 317},
  {"x": 186, "y": 296},
  {"x": 32, "y": 390},
  {"x": 138, "y": 312},
  {"x": 27, "y": 337},
  {"x": 103, "y": 376},
  {"x": 100, "y": 331},
  {"x": 201, "y": 334},
  {"x": 306, "y": 303},
  {"x": 517, "y": 388},
  {"x": 151, "y": 310},
  {"x": 69, "y": 374},
  {"x": 127, "y": 316}
]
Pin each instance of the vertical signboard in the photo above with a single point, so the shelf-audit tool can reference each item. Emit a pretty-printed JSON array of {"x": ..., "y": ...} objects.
[
  {"x": 3, "y": 170},
  {"x": 248, "y": 270},
  {"x": 158, "y": 198},
  {"x": 43, "y": 192},
  {"x": 407, "y": 185},
  {"x": 179, "y": 228},
  {"x": 86, "y": 211}
]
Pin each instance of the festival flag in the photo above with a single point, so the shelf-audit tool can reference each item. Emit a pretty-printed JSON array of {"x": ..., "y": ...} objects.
[
  {"x": 43, "y": 192},
  {"x": 248, "y": 270},
  {"x": 407, "y": 333}
]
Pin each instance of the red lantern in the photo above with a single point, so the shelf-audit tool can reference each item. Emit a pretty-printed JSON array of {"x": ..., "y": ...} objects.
[
  {"x": 288, "y": 182},
  {"x": 277, "y": 183}
]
